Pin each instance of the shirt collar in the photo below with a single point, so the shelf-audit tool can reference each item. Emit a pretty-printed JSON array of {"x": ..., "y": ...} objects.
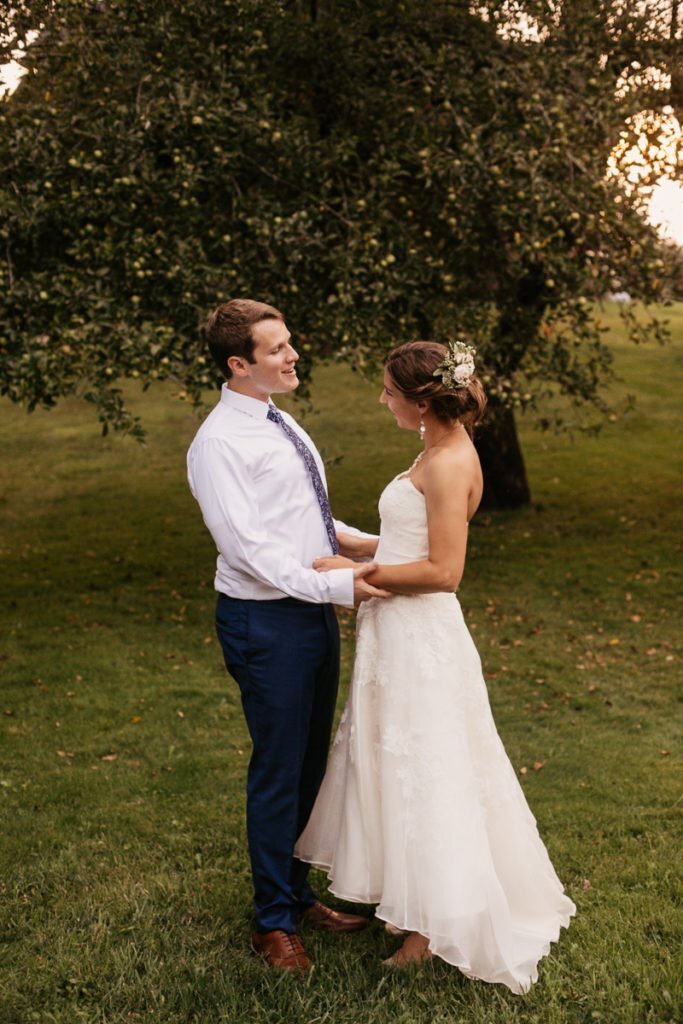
[{"x": 253, "y": 407}]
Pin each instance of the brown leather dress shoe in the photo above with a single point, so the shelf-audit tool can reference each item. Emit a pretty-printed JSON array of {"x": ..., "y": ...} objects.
[
  {"x": 280, "y": 949},
  {"x": 321, "y": 916}
]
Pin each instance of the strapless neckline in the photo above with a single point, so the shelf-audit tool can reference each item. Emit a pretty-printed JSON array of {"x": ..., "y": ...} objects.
[{"x": 406, "y": 476}]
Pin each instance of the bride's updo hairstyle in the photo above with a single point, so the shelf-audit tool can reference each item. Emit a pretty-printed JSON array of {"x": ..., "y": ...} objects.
[{"x": 411, "y": 368}]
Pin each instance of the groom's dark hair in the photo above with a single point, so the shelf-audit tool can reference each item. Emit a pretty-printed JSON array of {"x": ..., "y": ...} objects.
[{"x": 228, "y": 330}]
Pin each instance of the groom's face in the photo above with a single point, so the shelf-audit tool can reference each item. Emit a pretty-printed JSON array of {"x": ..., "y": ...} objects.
[{"x": 273, "y": 370}]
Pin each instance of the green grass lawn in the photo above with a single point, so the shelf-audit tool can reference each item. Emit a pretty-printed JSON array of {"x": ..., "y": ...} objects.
[{"x": 123, "y": 867}]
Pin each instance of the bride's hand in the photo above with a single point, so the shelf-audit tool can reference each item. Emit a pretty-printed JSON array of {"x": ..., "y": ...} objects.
[
  {"x": 356, "y": 547},
  {"x": 334, "y": 562}
]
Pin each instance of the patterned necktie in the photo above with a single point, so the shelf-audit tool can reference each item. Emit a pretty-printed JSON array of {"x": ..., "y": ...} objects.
[{"x": 318, "y": 486}]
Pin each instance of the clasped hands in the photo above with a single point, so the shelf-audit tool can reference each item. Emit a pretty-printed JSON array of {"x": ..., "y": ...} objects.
[{"x": 350, "y": 545}]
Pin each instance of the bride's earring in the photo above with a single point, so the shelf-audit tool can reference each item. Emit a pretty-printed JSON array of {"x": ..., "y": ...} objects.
[{"x": 423, "y": 429}]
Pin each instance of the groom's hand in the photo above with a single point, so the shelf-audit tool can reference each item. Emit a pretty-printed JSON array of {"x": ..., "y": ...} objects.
[{"x": 363, "y": 591}]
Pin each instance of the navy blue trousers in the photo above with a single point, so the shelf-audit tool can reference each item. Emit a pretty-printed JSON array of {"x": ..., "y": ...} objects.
[{"x": 284, "y": 655}]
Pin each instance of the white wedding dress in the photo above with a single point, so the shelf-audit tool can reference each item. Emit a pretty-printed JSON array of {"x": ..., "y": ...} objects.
[{"x": 420, "y": 810}]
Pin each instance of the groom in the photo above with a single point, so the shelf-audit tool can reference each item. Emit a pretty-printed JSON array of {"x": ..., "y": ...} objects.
[{"x": 260, "y": 484}]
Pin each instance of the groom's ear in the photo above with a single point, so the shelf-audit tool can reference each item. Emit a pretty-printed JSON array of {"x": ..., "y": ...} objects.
[{"x": 236, "y": 365}]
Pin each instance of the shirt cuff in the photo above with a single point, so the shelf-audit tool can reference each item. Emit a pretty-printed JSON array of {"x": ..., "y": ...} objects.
[{"x": 341, "y": 587}]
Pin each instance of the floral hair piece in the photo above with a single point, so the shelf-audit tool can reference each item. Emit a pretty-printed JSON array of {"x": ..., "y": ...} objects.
[{"x": 457, "y": 369}]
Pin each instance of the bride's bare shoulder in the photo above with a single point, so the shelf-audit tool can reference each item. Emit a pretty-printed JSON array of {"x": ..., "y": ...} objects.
[{"x": 458, "y": 459}]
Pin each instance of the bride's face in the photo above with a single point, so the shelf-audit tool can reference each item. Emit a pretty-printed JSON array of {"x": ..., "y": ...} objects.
[{"x": 406, "y": 412}]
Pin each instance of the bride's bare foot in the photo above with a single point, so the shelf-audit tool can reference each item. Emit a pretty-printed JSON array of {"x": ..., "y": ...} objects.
[{"x": 413, "y": 951}]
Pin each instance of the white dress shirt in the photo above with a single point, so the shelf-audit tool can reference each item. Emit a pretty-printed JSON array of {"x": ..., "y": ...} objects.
[{"x": 258, "y": 501}]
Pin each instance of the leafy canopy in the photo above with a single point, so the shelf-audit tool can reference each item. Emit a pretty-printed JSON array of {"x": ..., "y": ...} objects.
[{"x": 379, "y": 171}]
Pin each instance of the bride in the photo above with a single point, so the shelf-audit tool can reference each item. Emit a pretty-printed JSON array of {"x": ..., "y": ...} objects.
[{"x": 420, "y": 810}]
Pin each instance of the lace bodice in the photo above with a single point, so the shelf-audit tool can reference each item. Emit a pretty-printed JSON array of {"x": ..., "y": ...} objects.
[{"x": 403, "y": 534}]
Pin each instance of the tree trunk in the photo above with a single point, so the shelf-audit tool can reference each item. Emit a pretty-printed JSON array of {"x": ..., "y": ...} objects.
[{"x": 505, "y": 481}]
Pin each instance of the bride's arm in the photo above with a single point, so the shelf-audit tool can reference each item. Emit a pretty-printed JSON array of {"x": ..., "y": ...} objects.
[{"x": 446, "y": 483}]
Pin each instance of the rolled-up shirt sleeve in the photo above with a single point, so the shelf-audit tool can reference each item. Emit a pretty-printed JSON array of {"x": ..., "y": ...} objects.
[{"x": 222, "y": 487}]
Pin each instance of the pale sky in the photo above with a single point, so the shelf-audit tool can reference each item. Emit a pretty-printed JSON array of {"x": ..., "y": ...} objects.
[
  {"x": 9, "y": 76},
  {"x": 666, "y": 205},
  {"x": 666, "y": 209}
]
